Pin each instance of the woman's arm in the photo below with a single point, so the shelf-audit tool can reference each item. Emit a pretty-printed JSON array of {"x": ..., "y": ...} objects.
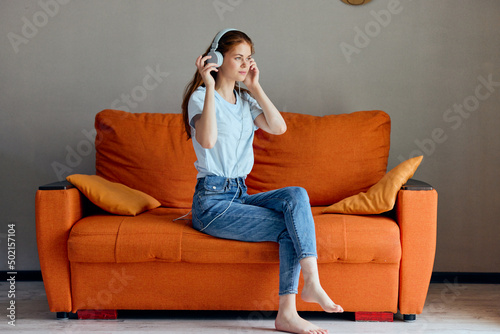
[
  {"x": 271, "y": 120},
  {"x": 206, "y": 123}
]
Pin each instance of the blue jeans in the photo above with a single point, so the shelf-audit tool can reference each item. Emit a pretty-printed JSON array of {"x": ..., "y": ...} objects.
[{"x": 222, "y": 208}]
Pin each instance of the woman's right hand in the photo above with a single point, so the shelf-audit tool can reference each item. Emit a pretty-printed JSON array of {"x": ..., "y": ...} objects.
[{"x": 205, "y": 68}]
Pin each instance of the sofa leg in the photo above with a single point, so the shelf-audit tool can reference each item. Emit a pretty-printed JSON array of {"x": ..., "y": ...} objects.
[
  {"x": 97, "y": 314},
  {"x": 374, "y": 316},
  {"x": 409, "y": 317},
  {"x": 66, "y": 315}
]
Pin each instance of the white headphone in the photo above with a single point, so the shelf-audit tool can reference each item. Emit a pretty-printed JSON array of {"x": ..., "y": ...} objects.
[{"x": 217, "y": 57}]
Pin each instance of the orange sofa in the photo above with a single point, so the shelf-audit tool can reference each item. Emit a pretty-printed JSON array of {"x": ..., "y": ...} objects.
[{"x": 93, "y": 260}]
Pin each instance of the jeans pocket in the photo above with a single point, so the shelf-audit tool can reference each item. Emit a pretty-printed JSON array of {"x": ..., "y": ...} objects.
[
  {"x": 215, "y": 185},
  {"x": 212, "y": 190}
]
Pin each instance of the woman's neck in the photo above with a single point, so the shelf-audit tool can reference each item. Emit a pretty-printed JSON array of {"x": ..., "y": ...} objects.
[{"x": 225, "y": 89}]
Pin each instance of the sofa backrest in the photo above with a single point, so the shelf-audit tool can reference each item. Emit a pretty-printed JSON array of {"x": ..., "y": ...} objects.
[
  {"x": 332, "y": 157},
  {"x": 148, "y": 152}
]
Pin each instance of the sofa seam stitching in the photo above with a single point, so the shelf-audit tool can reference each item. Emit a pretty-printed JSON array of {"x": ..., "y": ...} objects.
[{"x": 116, "y": 239}]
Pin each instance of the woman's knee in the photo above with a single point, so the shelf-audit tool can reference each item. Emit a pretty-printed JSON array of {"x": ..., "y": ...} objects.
[{"x": 299, "y": 194}]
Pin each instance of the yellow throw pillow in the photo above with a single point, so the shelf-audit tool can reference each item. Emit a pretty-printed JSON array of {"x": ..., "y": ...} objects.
[
  {"x": 111, "y": 196},
  {"x": 381, "y": 197}
]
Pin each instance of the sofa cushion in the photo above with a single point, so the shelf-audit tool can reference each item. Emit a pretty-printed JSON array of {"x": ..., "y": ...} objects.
[
  {"x": 332, "y": 157},
  {"x": 150, "y": 236},
  {"x": 339, "y": 238},
  {"x": 153, "y": 236},
  {"x": 147, "y": 152},
  {"x": 356, "y": 239}
]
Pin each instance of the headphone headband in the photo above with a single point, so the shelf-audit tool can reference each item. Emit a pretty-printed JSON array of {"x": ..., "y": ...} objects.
[{"x": 221, "y": 33}]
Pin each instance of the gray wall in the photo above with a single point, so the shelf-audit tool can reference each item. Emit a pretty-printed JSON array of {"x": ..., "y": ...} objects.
[{"x": 427, "y": 63}]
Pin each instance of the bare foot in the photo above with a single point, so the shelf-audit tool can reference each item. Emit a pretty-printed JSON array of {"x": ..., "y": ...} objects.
[
  {"x": 314, "y": 293},
  {"x": 293, "y": 323}
]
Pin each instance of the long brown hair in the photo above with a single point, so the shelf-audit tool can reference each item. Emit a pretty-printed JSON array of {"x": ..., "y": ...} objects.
[{"x": 226, "y": 42}]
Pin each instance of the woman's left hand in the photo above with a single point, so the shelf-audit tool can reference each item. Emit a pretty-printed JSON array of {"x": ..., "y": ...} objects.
[{"x": 252, "y": 77}]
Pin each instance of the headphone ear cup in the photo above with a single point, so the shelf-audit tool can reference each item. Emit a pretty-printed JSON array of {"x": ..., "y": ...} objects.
[{"x": 217, "y": 58}]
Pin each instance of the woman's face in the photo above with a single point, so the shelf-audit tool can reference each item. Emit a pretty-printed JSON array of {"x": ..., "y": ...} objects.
[{"x": 237, "y": 62}]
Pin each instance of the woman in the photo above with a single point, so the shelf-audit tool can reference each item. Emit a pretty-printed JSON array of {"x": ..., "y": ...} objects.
[{"x": 221, "y": 119}]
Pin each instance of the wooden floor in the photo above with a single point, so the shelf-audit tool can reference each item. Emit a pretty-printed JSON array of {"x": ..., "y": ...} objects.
[{"x": 450, "y": 308}]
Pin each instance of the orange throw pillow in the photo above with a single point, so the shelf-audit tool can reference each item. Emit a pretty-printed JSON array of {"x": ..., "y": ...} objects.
[
  {"x": 381, "y": 197},
  {"x": 111, "y": 196}
]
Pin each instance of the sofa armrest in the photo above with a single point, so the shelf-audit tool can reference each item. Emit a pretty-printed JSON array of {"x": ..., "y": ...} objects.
[
  {"x": 416, "y": 214},
  {"x": 60, "y": 185},
  {"x": 413, "y": 184},
  {"x": 56, "y": 213}
]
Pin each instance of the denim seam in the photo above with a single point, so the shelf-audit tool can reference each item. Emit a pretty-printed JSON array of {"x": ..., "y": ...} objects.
[
  {"x": 198, "y": 197},
  {"x": 290, "y": 286},
  {"x": 303, "y": 256},
  {"x": 195, "y": 218},
  {"x": 290, "y": 214},
  {"x": 288, "y": 292}
]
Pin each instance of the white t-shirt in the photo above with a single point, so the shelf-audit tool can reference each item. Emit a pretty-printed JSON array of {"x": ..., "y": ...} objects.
[{"x": 232, "y": 154}]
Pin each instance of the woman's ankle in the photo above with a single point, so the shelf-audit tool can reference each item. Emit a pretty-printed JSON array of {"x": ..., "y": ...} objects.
[
  {"x": 310, "y": 273},
  {"x": 287, "y": 302}
]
